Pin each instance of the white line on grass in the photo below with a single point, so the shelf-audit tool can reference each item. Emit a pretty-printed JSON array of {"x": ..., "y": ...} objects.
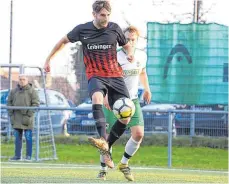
[{"x": 79, "y": 166}]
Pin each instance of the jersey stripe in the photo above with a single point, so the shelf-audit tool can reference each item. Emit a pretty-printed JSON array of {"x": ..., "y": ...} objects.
[
  {"x": 110, "y": 61},
  {"x": 106, "y": 60}
]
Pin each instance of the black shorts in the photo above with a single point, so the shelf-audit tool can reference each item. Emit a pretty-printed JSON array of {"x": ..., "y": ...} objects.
[{"x": 115, "y": 87}]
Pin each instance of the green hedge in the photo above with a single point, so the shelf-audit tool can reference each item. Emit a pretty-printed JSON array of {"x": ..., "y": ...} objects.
[{"x": 157, "y": 140}]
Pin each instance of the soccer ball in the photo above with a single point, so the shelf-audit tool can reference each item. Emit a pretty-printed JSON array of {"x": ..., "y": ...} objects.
[{"x": 124, "y": 108}]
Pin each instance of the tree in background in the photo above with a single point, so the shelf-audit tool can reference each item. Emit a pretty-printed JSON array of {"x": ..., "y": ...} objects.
[{"x": 78, "y": 67}]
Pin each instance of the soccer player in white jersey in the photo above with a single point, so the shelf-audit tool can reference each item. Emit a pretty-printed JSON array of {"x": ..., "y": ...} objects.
[{"x": 133, "y": 73}]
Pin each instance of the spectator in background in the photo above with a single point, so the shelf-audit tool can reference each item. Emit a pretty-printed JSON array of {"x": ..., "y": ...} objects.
[{"x": 23, "y": 120}]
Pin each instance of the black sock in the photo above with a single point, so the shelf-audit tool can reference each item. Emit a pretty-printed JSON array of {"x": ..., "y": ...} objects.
[
  {"x": 99, "y": 119},
  {"x": 102, "y": 164},
  {"x": 116, "y": 131},
  {"x": 126, "y": 155}
]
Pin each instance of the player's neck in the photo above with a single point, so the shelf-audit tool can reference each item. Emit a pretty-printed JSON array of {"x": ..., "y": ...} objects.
[
  {"x": 126, "y": 51},
  {"x": 96, "y": 25}
]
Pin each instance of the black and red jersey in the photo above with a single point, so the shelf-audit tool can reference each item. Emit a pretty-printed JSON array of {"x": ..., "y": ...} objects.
[{"x": 99, "y": 48}]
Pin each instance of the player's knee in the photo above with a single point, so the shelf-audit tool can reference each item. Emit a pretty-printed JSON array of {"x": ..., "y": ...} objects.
[
  {"x": 138, "y": 135},
  {"x": 97, "y": 98},
  {"x": 125, "y": 121}
]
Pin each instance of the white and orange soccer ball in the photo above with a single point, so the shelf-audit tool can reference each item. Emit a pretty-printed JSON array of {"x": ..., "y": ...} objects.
[{"x": 124, "y": 108}]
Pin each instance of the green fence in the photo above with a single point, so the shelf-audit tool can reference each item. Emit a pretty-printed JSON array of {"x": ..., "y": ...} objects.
[{"x": 188, "y": 63}]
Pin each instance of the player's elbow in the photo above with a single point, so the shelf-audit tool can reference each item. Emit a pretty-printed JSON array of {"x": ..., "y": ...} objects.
[{"x": 63, "y": 41}]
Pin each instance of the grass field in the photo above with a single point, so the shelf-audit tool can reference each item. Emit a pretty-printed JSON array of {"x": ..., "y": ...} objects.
[
  {"x": 156, "y": 156},
  {"x": 80, "y": 164},
  {"x": 182, "y": 157},
  {"x": 18, "y": 172}
]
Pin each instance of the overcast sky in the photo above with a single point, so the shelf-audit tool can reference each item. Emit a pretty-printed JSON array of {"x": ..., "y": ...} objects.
[{"x": 39, "y": 24}]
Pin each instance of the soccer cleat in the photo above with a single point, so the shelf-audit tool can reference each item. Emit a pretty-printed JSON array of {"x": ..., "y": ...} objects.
[
  {"x": 102, "y": 175},
  {"x": 126, "y": 171},
  {"x": 101, "y": 143},
  {"x": 107, "y": 158}
]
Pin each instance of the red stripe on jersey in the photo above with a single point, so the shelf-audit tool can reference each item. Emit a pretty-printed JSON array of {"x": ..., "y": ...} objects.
[
  {"x": 94, "y": 62},
  {"x": 98, "y": 61},
  {"x": 117, "y": 65},
  {"x": 106, "y": 65},
  {"x": 102, "y": 65},
  {"x": 87, "y": 64},
  {"x": 110, "y": 61},
  {"x": 114, "y": 59},
  {"x": 92, "y": 65}
]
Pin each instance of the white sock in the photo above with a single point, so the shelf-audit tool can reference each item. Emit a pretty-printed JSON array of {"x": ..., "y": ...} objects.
[
  {"x": 131, "y": 148},
  {"x": 102, "y": 161}
]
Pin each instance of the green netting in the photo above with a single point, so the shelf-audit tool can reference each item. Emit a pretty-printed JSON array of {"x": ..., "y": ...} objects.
[{"x": 188, "y": 63}]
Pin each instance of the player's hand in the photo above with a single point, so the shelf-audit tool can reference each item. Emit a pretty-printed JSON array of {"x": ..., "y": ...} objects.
[
  {"x": 47, "y": 67},
  {"x": 130, "y": 58},
  {"x": 147, "y": 96},
  {"x": 106, "y": 103}
]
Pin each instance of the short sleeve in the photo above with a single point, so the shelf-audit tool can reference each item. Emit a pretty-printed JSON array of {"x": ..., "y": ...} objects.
[
  {"x": 74, "y": 35},
  {"x": 121, "y": 37},
  {"x": 141, "y": 56}
]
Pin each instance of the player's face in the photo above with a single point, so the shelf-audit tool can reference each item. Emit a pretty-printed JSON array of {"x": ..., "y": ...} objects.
[
  {"x": 132, "y": 38},
  {"x": 102, "y": 18}
]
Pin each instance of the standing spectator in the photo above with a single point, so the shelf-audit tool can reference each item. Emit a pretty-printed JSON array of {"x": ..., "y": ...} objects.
[{"x": 23, "y": 120}]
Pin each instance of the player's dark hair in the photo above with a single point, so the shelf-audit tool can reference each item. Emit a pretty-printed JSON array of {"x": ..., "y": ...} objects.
[{"x": 99, "y": 5}]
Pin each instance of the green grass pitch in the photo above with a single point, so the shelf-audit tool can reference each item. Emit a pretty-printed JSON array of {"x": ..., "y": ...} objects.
[{"x": 18, "y": 172}]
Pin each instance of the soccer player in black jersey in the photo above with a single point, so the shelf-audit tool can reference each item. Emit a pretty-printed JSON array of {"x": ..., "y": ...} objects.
[{"x": 99, "y": 40}]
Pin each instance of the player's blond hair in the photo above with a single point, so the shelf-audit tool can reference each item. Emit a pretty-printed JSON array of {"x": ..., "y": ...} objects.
[
  {"x": 98, "y": 5},
  {"x": 132, "y": 29}
]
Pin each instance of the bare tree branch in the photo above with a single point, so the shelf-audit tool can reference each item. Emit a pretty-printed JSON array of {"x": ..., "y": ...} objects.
[
  {"x": 206, "y": 12},
  {"x": 125, "y": 19}
]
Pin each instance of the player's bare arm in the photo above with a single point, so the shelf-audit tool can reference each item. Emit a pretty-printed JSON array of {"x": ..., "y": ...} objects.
[
  {"x": 129, "y": 52},
  {"x": 54, "y": 51},
  {"x": 144, "y": 81}
]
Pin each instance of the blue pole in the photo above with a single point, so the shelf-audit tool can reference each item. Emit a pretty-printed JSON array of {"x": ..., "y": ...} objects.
[{"x": 37, "y": 136}]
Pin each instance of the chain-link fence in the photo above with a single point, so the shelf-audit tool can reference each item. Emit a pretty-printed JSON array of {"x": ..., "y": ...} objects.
[{"x": 157, "y": 121}]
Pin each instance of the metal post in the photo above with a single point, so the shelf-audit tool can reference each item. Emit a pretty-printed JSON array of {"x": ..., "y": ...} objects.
[
  {"x": 195, "y": 11},
  {"x": 170, "y": 119},
  {"x": 192, "y": 123},
  {"x": 21, "y": 69},
  {"x": 11, "y": 36},
  {"x": 37, "y": 136},
  {"x": 225, "y": 115}
]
